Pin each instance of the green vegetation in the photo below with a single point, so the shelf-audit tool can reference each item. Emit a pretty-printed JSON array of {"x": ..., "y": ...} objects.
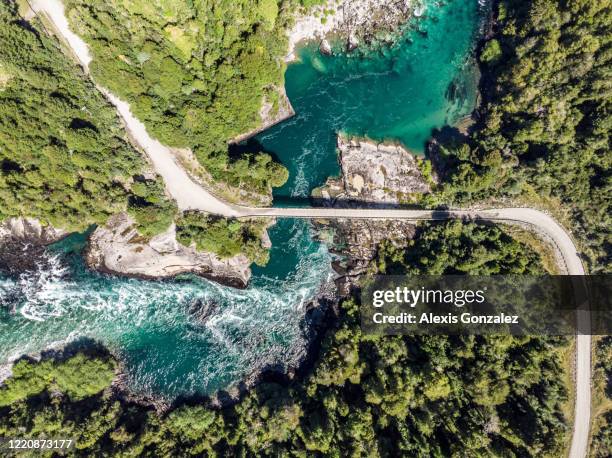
[
  {"x": 78, "y": 377},
  {"x": 311, "y": 3},
  {"x": 365, "y": 396},
  {"x": 601, "y": 442},
  {"x": 459, "y": 249},
  {"x": 225, "y": 236},
  {"x": 545, "y": 123},
  {"x": 150, "y": 208},
  {"x": 64, "y": 158},
  {"x": 491, "y": 52},
  {"x": 196, "y": 73},
  {"x": 63, "y": 155}
]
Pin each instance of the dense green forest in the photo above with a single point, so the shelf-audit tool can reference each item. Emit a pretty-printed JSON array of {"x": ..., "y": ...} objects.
[
  {"x": 64, "y": 158},
  {"x": 365, "y": 395},
  {"x": 196, "y": 73},
  {"x": 460, "y": 249},
  {"x": 63, "y": 154},
  {"x": 225, "y": 236},
  {"x": 545, "y": 121}
]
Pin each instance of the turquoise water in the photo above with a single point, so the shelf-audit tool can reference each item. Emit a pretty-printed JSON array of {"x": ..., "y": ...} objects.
[
  {"x": 402, "y": 93},
  {"x": 425, "y": 82},
  {"x": 166, "y": 348}
]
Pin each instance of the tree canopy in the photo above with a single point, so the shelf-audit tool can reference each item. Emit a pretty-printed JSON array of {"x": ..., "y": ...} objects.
[
  {"x": 64, "y": 158},
  {"x": 366, "y": 395},
  {"x": 196, "y": 73},
  {"x": 225, "y": 236},
  {"x": 545, "y": 122}
]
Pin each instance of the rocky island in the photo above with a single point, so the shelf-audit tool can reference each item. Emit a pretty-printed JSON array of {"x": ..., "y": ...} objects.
[{"x": 372, "y": 174}]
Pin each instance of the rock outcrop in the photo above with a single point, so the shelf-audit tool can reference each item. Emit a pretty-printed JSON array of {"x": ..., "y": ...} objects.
[
  {"x": 118, "y": 248},
  {"x": 353, "y": 22},
  {"x": 30, "y": 230},
  {"x": 356, "y": 243},
  {"x": 375, "y": 173},
  {"x": 22, "y": 243},
  {"x": 325, "y": 47}
]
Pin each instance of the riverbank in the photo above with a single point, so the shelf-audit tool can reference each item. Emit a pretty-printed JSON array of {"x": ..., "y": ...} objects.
[{"x": 351, "y": 21}]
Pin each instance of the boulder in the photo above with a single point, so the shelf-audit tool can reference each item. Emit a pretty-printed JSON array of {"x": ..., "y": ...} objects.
[
  {"x": 325, "y": 47},
  {"x": 376, "y": 173}
]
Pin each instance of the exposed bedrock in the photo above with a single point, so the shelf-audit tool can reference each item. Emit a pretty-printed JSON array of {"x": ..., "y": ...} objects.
[
  {"x": 372, "y": 174},
  {"x": 22, "y": 242},
  {"x": 117, "y": 248},
  {"x": 30, "y": 230},
  {"x": 353, "y": 22}
]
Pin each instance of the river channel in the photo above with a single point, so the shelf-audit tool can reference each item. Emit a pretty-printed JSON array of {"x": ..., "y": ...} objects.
[{"x": 191, "y": 335}]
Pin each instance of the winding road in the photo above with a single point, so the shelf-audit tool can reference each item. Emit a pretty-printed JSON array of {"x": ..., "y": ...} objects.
[{"x": 191, "y": 196}]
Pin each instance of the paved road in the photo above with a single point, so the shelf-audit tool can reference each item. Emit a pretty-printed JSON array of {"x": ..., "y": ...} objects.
[{"x": 191, "y": 196}]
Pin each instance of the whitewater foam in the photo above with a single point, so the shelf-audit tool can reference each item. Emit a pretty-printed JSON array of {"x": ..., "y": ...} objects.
[{"x": 152, "y": 325}]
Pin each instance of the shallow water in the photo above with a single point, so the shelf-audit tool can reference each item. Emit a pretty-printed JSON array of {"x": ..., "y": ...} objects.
[{"x": 425, "y": 82}]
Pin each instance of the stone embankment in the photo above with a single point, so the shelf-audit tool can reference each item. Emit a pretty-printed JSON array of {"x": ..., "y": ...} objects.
[{"x": 117, "y": 248}]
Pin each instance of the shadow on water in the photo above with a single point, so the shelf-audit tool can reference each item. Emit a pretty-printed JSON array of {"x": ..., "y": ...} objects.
[
  {"x": 85, "y": 345},
  {"x": 318, "y": 202},
  {"x": 271, "y": 376},
  {"x": 447, "y": 135}
]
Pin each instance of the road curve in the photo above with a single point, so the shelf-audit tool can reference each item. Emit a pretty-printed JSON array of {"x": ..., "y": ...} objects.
[{"x": 191, "y": 196}]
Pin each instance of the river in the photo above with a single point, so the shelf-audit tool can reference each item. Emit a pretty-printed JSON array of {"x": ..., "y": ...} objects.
[
  {"x": 428, "y": 80},
  {"x": 424, "y": 82}
]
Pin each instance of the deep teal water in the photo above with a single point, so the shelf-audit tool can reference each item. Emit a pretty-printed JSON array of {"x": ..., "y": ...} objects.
[
  {"x": 166, "y": 348},
  {"x": 424, "y": 82}
]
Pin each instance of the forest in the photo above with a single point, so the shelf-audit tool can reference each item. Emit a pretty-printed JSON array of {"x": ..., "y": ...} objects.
[
  {"x": 225, "y": 236},
  {"x": 543, "y": 128},
  {"x": 365, "y": 395},
  {"x": 196, "y": 73},
  {"x": 601, "y": 429},
  {"x": 64, "y": 157},
  {"x": 63, "y": 154}
]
